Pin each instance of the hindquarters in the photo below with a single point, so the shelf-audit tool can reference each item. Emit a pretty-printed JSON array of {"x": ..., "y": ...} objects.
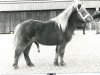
[
  {"x": 22, "y": 41},
  {"x": 21, "y": 35}
]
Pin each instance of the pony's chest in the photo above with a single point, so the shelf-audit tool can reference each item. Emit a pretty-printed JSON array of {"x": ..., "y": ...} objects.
[{"x": 68, "y": 35}]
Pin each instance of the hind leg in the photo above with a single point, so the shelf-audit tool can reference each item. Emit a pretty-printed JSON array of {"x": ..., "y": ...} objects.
[
  {"x": 26, "y": 55},
  {"x": 18, "y": 51}
]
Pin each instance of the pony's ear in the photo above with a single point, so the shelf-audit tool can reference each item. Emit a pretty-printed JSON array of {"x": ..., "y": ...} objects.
[{"x": 79, "y": 6}]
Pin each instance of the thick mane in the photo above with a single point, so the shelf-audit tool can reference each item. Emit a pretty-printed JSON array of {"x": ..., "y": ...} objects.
[{"x": 62, "y": 19}]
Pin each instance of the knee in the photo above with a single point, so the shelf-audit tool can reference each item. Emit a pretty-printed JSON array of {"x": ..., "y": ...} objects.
[{"x": 61, "y": 53}]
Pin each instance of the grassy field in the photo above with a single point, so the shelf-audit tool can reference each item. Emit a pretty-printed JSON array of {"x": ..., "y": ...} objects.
[{"x": 82, "y": 55}]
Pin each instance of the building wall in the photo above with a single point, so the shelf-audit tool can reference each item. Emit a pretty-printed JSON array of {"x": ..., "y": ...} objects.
[
  {"x": 15, "y": 12},
  {"x": 9, "y": 20}
]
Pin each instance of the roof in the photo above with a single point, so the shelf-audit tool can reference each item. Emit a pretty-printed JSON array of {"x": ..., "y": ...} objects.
[{"x": 24, "y": 5}]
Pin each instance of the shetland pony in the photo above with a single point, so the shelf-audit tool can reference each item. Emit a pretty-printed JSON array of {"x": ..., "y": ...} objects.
[
  {"x": 96, "y": 18},
  {"x": 57, "y": 31},
  {"x": 96, "y": 15}
]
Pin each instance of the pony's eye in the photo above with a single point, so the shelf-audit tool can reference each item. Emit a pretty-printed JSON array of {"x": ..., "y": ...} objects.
[{"x": 79, "y": 6}]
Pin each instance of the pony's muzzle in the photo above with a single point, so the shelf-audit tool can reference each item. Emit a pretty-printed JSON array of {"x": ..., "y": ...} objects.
[{"x": 88, "y": 19}]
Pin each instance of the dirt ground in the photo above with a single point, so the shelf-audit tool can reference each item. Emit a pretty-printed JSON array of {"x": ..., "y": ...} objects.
[{"x": 82, "y": 55}]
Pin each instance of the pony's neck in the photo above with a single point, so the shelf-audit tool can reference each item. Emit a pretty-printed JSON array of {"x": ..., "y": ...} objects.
[
  {"x": 72, "y": 22},
  {"x": 62, "y": 19}
]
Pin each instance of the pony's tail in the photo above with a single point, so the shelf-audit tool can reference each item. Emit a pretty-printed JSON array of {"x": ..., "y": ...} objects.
[{"x": 16, "y": 36}]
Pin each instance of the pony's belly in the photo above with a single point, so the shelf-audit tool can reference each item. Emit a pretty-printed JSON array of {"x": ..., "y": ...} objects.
[
  {"x": 48, "y": 40},
  {"x": 47, "y": 43}
]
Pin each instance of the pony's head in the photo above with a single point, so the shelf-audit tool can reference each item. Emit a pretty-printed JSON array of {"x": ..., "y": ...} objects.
[
  {"x": 62, "y": 19},
  {"x": 84, "y": 13}
]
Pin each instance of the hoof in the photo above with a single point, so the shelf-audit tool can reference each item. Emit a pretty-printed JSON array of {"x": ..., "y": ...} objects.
[
  {"x": 15, "y": 67},
  {"x": 30, "y": 64},
  {"x": 84, "y": 33},
  {"x": 62, "y": 63},
  {"x": 56, "y": 63}
]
